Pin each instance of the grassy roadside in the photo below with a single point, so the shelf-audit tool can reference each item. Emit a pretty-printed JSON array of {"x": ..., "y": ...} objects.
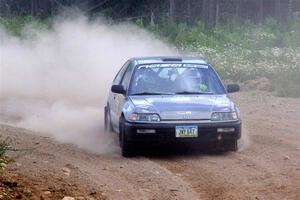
[
  {"x": 3, "y": 159},
  {"x": 239, "y": 52}
]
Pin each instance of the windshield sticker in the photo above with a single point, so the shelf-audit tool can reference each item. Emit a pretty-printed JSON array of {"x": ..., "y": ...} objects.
[{"x": 173, "y": 65}]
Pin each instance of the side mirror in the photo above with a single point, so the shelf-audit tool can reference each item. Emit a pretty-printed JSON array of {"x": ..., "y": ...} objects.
[
  {"x": 233, "y": 88},
  {"x": 119, "y": 89}
]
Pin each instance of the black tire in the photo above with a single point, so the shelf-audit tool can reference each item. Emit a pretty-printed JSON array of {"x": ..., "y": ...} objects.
[
  {"x": 107, "y": 120},
  {"x": 231, "y": 145},
  {"x": 127, "y": 147}
]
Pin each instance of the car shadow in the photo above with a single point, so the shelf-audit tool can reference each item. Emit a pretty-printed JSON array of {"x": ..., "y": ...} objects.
[{"x": 179, "y": 150}]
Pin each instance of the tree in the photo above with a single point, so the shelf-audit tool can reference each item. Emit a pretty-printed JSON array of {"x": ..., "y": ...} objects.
[
  {"x": 260, "y": 10},
  {"x": 212, "y": 13},
  {"x": 205, "y": 11},
  {"x": 278, "y": 10},
  {"x": 290, "y": 8},
  {"x": 189, "y": 11},
  {"x": 172, "y": 10}
]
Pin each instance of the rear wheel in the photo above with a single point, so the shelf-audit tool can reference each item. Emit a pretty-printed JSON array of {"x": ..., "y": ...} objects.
[{"x": 127, "y": 147}]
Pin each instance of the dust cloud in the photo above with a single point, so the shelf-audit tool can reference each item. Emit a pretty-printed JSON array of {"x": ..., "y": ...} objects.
[
  {"x": 56, "y": 81},
  {"x": 244, "y": 142}
]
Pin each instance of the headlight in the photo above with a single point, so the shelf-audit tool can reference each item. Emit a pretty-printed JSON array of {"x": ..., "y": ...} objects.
[
  {"x": 224, "y": 116},
  {"x": 144, "y": 117}
]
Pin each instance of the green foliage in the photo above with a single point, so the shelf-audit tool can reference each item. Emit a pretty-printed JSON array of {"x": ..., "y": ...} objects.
[
  {"x": 244, "y": 52},
  {"x": 292, "y": 38},
  {"x": 16, "y": 25},
  {"x": 3, "y": 149}
]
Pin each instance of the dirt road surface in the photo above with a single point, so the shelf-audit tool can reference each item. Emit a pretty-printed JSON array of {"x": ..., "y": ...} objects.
[{"x": 267, "y": 167}]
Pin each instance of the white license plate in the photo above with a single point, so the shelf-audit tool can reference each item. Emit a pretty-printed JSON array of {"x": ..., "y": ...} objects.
[{"x": 186, "y": 131}]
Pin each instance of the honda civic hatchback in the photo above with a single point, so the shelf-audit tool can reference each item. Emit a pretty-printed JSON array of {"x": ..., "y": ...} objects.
[{"x": 169, "y": 99}]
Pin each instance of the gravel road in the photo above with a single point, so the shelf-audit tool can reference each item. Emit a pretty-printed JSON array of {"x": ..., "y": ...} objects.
[{"x": 267, "y": 166}]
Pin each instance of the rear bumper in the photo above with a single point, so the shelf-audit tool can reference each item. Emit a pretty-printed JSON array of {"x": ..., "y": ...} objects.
[{"x": 165, "y": 132}]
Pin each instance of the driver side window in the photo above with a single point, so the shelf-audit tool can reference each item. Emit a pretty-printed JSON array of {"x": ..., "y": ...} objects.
[
  {"x": 127, "y": 76},
  {"x": 120, "y": 74}
]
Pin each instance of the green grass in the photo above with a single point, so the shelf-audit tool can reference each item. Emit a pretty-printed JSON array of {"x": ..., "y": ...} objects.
[{"x": 3, "y": 149}]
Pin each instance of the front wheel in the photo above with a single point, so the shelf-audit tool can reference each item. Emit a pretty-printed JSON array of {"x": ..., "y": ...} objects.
[
  {"x": 127, "y": 147},
  {"x": 231, "y": 145}
]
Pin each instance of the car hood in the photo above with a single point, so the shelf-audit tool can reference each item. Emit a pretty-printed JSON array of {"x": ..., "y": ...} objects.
[{"x": 183, "y": 107}]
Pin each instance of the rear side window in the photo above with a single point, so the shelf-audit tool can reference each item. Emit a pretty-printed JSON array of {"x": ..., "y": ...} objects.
[
  {"x": 127, "y": 76},
  {"x": 120, "y": 74}
]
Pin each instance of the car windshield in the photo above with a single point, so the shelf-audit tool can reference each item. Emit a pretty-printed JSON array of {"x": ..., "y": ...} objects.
[{"x": 156, "y": 79}]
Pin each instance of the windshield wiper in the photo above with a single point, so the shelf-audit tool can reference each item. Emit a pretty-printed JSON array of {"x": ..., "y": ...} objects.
[
  {"x": 153, "y": 93},
  {"x": 192, "y": 92}
]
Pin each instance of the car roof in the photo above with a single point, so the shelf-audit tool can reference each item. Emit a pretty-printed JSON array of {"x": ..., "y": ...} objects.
[{"x": 168, "y": 59}]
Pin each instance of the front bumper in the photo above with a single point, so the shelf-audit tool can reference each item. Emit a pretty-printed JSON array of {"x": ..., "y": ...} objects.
[{"x": 165, "y": 132}]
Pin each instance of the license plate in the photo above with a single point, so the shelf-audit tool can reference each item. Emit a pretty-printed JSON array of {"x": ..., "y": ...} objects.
[{"x": 186, "y": 131}]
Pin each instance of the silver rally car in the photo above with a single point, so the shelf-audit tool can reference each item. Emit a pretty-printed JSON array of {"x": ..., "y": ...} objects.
[{"x": 169, "y": 99}]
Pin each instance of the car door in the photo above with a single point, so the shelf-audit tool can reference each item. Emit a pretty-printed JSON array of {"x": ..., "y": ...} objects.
[
  {"x": 112, "y": 99},
  {"x": 120, "y": 98}
]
